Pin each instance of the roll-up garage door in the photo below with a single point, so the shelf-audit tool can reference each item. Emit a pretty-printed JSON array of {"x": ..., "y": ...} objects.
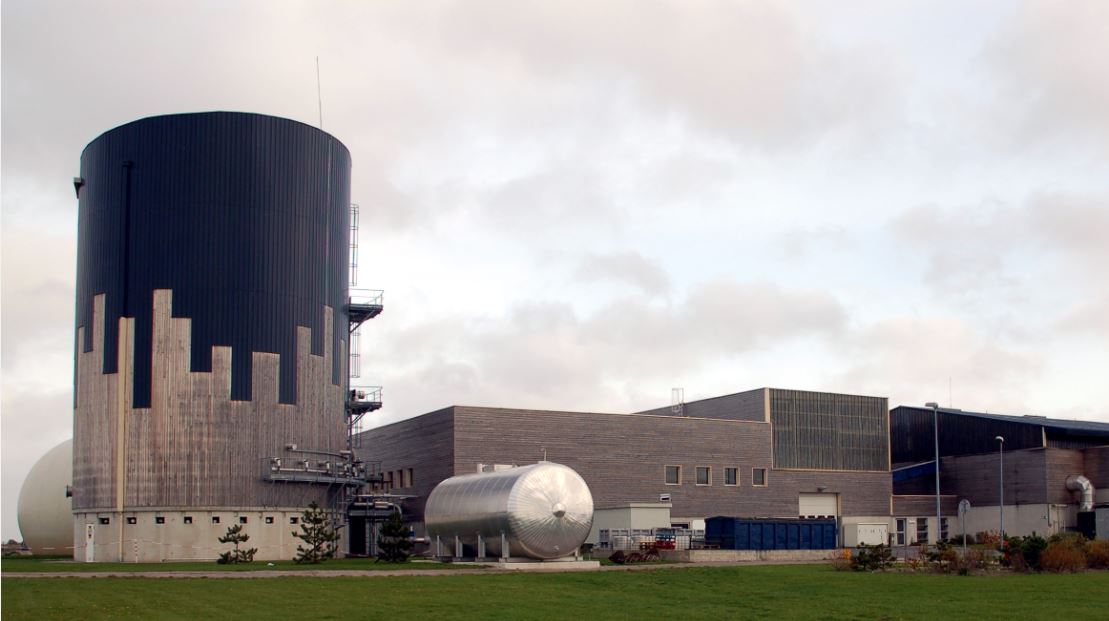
[{"x": 818, "y": 505}]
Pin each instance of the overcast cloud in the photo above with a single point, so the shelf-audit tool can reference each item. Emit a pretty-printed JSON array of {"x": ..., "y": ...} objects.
[{"x": 580, "y": 205}]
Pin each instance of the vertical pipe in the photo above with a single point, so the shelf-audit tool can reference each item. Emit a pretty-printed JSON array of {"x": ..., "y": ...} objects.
[
  {"x": 936, "y": 439},
  {"x": 1001, "y": 483}
]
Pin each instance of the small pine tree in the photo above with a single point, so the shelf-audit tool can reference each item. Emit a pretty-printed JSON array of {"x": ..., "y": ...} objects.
[
  {"x": 318, "y": 535},
  {"x": 236, "y": 536},
  {"x": 393, "y": 540}
]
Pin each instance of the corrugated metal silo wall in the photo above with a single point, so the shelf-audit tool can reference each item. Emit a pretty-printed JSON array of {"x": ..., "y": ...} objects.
[
  {"x": 244, "y": 216},
  {"x": 827, "y": 431},
  {"x": 212, "y": 263}
]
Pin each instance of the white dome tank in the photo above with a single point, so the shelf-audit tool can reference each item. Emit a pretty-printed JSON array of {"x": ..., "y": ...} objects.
[
  {"x": 45, "y": 513},
  {"x": 544, "y": 511}
]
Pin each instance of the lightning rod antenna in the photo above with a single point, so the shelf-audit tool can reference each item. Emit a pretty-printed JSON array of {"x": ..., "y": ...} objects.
[{"x": 319, "y": 93}]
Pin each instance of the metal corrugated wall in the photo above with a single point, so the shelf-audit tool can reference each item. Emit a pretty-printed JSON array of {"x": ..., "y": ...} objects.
[
  {"x": 244, "y": 216},
  {"x": 911, "y": 431},
  {"x": 827, "y": 431}
]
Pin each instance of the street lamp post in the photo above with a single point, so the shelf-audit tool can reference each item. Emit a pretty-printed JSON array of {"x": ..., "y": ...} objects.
[
  {"x": 936, "y": 438},
  {"x": 1001, "y": 483}
]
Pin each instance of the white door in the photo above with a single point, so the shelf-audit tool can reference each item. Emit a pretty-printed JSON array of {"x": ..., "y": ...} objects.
[
  {"x": 873, "y": 534},
  {"x": 90, "y": 543},
  {"x": 818, "y": 505}
]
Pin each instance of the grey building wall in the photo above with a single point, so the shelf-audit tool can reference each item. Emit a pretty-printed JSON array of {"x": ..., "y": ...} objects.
[
  {"x": 1096, "y": 466},
  {"x": 621, "y": 457},
  {"x": 811, "y": 430},
  {"x": 425, "y": 444},
  {"x": 924, "y": 505},
  {"x": 750, "y": 405},
  {"x": 975, "y": 477},
  {"x": 1060, "y": 464}
]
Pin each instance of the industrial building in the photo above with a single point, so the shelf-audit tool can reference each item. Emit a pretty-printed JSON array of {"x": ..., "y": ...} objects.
[
  {"x": 1053, "y": 474},
  {"x": 762, "y": 453},
  {"x": 212, "y": 324},
  {"x": 214, "y": 329}
]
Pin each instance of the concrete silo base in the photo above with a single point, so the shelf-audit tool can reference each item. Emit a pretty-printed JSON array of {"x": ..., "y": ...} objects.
[{"x": 167, "y": 536}]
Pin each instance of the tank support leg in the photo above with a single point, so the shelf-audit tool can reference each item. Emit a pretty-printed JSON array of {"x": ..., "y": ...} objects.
[
  {"x": 504, "y": 547},
  {"x": 457, "y": 547},
  {"x": 480, "y": 546},
  {"x": 438, "y": 547}
]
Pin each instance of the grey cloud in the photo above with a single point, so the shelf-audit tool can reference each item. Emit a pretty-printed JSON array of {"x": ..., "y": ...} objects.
[
  {"x": 544, "y": 354},
  {"x": 911, "y": 359},
  {"x": 1050, "y": 60},
  {"x": 749, "y": 69},
  {"x": 977, "y": 249},
  {"x": 36, "y": 309},
  {"x": 626, "y": 267},
  {"x": 1088, "y": 318},
  {"x": 799, "y": 243}
]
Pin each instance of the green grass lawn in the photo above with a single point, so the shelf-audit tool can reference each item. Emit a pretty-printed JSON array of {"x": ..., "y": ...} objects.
[
  {"x": 47, "y": 565},
  {"x": 758, "y": 592}
]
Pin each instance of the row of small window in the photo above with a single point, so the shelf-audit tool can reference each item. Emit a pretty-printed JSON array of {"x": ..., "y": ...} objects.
[
  {"x": 188, "y": 519},
  {"x": 921, "y": 525},
  {"x": 703, "y": 476},
  {"x": 399, "y": 478}
]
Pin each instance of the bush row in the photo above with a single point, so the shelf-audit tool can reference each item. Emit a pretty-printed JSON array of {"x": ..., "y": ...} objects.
[{"x": 1064, "y": 552}]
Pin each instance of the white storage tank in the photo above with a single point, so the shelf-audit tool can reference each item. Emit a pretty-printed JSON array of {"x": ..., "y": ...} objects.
[
  {"x": 541, "y": 511},
  {"x": 45, "y": 513}
]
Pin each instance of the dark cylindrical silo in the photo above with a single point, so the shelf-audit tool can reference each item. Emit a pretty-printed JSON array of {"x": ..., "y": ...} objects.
[{"x": 211, "y": 314}]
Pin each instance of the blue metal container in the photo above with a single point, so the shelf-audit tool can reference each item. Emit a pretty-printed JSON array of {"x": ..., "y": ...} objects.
[{"x": 733, "y": 533}]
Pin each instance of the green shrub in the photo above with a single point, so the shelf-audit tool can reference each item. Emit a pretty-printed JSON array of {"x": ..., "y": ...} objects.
[
  {"x": 236, "y": 536},
  {"x": 1062, "y": 556},
  {"x": 1097, "y": 554},
  {"x": 318, "y": 535},
  {"x": 872, "y": 558},
  {"x": 394, "y": 540},
  {"x": 1023, "y": 553}
]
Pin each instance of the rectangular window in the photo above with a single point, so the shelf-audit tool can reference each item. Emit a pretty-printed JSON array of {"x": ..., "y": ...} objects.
[
  {"x": 758, "y": 477},
  {"x": 188, "y": 519},
  {"x": 901, "y": 527},
  {"x": 731, "y": 476},
  {"x": 242, "y": 519},
  {"x": 215, "y": 519},
  {"x": 132, "y": 520},
  {"x": 673, "y": 475},
  {"x": 159, "y": 519},
  {"x": 105, "y": 521},
  {"x": 269, "y": 519},
  {"x": 704, "y": 475},
  {"x": 408, "y": 482},
  {"x": 922, "y": 530},
  {"x": 943, "y": 528},
  {"x": 294, "y": 519}
]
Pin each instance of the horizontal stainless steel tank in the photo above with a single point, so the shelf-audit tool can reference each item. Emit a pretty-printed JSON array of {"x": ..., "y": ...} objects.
[{"x": 543, "y": 511}]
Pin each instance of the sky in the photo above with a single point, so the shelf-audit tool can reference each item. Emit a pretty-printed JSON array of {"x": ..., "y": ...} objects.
[{"x": 582, "y": 205}]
